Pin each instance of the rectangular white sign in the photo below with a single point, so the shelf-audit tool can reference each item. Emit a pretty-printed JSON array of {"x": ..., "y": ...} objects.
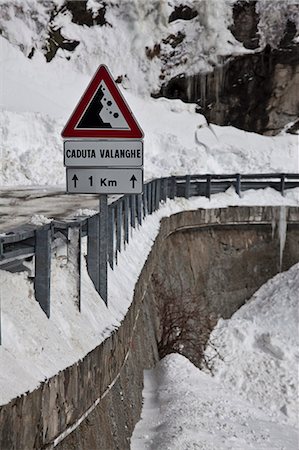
[
  {"x": 104, "y": 180},
  {"x": 89, "y": 153}
]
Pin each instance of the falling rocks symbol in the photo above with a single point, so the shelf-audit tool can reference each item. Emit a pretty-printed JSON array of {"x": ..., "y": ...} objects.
[
  {"x": 102, "y": 112},
  {"x": 92, "y": 116}
]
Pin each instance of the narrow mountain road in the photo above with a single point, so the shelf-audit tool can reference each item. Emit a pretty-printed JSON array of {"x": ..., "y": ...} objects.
[{"x": 18, "y": 206}]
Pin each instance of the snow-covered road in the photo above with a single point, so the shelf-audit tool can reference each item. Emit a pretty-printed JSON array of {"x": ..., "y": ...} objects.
[{"x": 19, "y": 206}]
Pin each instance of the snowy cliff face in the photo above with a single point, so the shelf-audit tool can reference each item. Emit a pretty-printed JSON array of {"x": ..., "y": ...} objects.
[
  {"x": 50, "y": 49},
  {"x": 175, "y": 48},
  {"x": 256, "y": 91},
  {"x": 145, "y": 42}
]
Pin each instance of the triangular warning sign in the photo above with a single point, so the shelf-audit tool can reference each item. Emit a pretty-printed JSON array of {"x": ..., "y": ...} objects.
[{"x": 102, "y": 112}]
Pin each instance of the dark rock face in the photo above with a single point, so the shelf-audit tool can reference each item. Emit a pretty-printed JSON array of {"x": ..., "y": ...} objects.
[
  {"x": 182, "y": 12},
  {"x": 57, "y": 41},
  {"x": 255, "y": 92},
  {"x": 294, "y": 129},
  {"x": 245, "y": 26},
  {"x": 81, "y": 15}
]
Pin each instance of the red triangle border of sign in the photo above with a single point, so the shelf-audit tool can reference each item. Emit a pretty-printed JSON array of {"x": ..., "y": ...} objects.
[{"x": 69, "y": 131}]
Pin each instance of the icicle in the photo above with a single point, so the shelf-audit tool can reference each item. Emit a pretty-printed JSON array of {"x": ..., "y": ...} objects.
[
  {"x": 273, "y": 224},
  {"x": 282, "y": 231},
  {"x": 219, "y": 82},
  {"x": 189, "y": 88},
  {"x": 203, "y": 90}
]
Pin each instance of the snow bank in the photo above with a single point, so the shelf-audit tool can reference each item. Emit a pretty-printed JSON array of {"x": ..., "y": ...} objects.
[
  {"x": 185, "y": 408},
  {"x": 252, "y": 400},
  {"x": 257, "y": 349},
  {"x": 177, "y": 142}
]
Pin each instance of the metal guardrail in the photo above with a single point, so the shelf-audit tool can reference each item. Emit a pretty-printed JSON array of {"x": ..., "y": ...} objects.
[{"x": 123, "y": 213}]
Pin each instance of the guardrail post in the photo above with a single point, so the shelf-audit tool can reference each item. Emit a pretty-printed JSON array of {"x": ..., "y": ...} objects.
[
  {"x": 187, "y": 186},
  {"x": 42, "y": 279},
  {"x": 208, "y": 186},
  {"x": 149, "y": 197},
  {"x": 238, "y": 184},
  {"x": 163, "y": 195},
  {"x": 103, "y": 238},
  {"x": 126, "y": 219},
  {"x": 153, "y": 193},
  {"x": 93, "y": 250},
  {"x": 282, "y": 183},
  {"x": 153, "y": 200},
  {"x": 145, "y": 203},
  {"x": 172, "y": 192},
  {"x": 111, "y": 233},
  {"x": 139, "y": 208},
  {"x": 132, "y": 199},
  {"x": 158, "y": 193},
  {"x": 118, "y": 227},
  {"x": 74, "y": 259}
]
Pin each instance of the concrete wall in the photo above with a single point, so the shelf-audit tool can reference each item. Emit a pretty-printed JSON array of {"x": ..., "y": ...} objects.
[{"x": 222, "y": 256}]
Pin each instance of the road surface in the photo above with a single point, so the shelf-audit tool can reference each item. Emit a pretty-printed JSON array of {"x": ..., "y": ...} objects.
[{"x": 17, "y": 206}]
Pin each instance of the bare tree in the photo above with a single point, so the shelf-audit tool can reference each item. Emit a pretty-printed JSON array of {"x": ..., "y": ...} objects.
[{"x": 185, "y": 322}]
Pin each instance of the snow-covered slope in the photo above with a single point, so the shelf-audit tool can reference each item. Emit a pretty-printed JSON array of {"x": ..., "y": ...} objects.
[
  {"x": 252, "y": 402},
  {"x": 257, "y": 349},
  {"x": 134, "y": 37},
  {"x": 37, "y": 97}
]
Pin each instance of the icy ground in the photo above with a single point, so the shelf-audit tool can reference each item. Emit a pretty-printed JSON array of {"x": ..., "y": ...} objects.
[{"x": 252, "y": 401}]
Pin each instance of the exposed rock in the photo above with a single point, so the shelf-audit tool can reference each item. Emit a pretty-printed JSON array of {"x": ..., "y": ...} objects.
[
  {"x": 245, "y": 25},
  {"x": 152, "y": 52},
  {"x": 174, "y": 39},
  {"x": 255, "y": 92},
  {"x": 56, "y": 41},
  {"x": 283, "y": 105},
  {"x": 32, "y": 51},
  {"x": 289, "y": 34},
  {"x": 182, "y": 12},
  {"x": 81, "y": 15},
  {"x": 294, "y": 129}
]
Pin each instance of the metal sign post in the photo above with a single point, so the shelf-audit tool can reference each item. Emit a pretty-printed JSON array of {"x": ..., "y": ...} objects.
[
  {"x": 103, "y": 246},
  {"x": 103, "y": 154}
]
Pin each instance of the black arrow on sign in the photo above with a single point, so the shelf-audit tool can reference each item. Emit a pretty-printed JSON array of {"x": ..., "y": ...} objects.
[
  {"x": 133, "y": 179},
  {"x": 75, "y": 179}
]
